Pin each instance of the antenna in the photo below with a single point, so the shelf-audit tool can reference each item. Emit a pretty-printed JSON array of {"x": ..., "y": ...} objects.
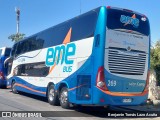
[
  {"x": 18, "y": 36},
  {"x": 17, "y": 10}
]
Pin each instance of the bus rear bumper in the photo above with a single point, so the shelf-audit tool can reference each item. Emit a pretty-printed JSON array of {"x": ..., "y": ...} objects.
[{"x": 102, "y": 98}]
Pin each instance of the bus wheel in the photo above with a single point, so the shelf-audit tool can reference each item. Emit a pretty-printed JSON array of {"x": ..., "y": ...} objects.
[
  {"x": 52, "y": 96},
  {"x": 13, "y": 87},
  {"x": 64, "y": 98}
]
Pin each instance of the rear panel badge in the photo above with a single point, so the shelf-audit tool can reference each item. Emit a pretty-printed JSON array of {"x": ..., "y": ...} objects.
[{"x": 130, "y": 20}]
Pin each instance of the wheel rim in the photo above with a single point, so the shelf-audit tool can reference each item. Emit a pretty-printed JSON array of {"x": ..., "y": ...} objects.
[
  {"x": 64, "y": 97},
  {"x": 51, "y": 94}
]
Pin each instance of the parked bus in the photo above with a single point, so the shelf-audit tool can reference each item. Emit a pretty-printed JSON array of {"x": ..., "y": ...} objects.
[
  {"x": 4, "y": 53},
  {"x": 98, "y": 58}
]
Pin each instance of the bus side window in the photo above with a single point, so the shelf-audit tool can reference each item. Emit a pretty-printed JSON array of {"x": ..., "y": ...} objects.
[
  {"x": 7, "y": 52},
  {"x": 9, "y": 67},
  {"x": 13, "y": 50},
  {"x": 19, "y": 49},
  {"x": 20, "y": 70},
  {"x": 23, "y": 69}
]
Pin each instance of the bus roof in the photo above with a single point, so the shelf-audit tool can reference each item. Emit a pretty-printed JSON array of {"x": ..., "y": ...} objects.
[
  {"x": 4, "y": 47},
  {"x": 127, "y": 10}
]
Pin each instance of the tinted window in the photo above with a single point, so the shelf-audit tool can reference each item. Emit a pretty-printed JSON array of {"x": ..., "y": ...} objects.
[
  {"x": 27, "y": 45},
  {"x": 118, "y": 19},
  {"x": 33, "y": 69},
  {"x": 7, "y": 52},
  {"x": 55, "y": 36},
  {"x": 34, "y": 43},
  {"x": 13, "y": 51},
  {"x": 9, "y": 66},
  {"x": 19, "y": 48},
  {"x": 82, "y": 27}
]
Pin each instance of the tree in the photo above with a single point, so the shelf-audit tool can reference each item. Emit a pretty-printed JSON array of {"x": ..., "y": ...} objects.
[
  {"x": 16, "y": 37},
  {"x": 155, "y": 60}
]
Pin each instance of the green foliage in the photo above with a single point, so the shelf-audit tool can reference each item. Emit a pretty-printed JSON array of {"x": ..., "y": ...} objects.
[
  {"x": 155, "y": 59},
  {"x": 16, "y": 37}
]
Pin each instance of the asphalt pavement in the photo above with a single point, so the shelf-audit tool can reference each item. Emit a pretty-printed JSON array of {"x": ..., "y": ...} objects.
[{"x": 27, "y": 105}]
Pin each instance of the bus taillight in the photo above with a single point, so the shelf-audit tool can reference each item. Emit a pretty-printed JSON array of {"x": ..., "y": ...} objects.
[
  {"x": 100, "y": 81},
  {"x": 108, "y": 7}
]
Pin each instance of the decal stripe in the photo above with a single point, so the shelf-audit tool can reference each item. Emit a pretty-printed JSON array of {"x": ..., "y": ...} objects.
[
  {"x": 65, "y": 41},
  {"x": 28, "y": 56},
  {"x": 76, "y": 87},
  {"x": 124, "y": 94},
  {"x": 68, "y": 37},
  {"x": 51, "y": 69},
  {"x": 23, "y": 86},
  {"x": 9, "y": 86}
]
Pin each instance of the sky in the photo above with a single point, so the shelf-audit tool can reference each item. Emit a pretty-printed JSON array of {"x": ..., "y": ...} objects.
[{"x": 38, "y": 15}]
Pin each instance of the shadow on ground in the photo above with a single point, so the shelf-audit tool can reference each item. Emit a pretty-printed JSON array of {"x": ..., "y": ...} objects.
[{"x": 88, "y": 111}]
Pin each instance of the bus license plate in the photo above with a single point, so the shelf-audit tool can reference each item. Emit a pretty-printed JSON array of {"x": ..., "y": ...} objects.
[{"x": 127, "y": 100}]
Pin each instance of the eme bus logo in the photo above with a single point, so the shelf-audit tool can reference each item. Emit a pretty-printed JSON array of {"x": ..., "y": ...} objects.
[
  {"x": 130, "y": 20},
  {"x": 60, "y": 55}
]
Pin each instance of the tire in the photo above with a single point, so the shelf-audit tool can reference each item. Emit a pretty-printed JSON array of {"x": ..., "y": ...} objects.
[
  {"x": 52, "y": 96},
  {"x": 13, "y": 87},
  {"x": 64, "y": 98}
]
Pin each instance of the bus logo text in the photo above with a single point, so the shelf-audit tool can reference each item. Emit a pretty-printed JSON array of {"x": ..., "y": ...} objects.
[
  {"x": 129, "y": 20},
  {"x": 60, "y": 55}
]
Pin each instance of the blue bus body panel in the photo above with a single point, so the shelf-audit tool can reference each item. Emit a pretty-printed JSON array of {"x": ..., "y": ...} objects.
[
  {"x": 124, "y": 84},
  {"x": 24, "y": 86},
  {"x": 98, "y": 52},
  {"x": 103, "y": 99},
  {"x": 2, "y": 64},
  {"x": 3, "y": 82},
  {"x": 3, "y": 70}
]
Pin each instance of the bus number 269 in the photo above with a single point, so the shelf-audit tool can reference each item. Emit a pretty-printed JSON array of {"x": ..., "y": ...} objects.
[{"x": 112, "y": 83}]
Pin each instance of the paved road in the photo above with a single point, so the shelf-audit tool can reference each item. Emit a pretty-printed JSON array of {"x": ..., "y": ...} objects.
[{"x": 26, "y": 102}]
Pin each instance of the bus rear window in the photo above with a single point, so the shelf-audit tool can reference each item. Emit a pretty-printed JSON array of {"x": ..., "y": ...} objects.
[{"x": 119, "y": 19}]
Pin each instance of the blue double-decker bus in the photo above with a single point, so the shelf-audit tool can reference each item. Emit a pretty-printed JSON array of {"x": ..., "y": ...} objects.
[
  {"x": 4, "y": 54},
  {"x": 98, "y": 58}
]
